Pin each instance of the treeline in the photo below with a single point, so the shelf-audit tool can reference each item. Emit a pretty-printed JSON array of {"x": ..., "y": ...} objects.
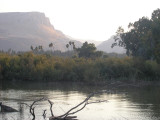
[
  {"x": 142, "y": 39},
  {"x": 33, "y": 67}
]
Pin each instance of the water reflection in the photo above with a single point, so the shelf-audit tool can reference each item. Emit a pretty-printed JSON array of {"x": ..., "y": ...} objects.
[{"x": 127, "y": 103}]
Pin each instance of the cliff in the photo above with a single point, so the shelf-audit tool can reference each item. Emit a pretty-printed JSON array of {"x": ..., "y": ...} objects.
[{"x": 20, "y": 30}]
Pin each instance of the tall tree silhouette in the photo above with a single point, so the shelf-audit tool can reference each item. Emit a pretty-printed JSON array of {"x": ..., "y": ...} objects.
[
  {"x": 67, "y": 46},
  {"x": 51, "y": 46},
  {"x": 31, "y": 47}
]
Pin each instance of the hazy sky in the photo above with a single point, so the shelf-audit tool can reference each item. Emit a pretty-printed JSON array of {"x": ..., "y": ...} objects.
[{"x": 86, "y": 19}]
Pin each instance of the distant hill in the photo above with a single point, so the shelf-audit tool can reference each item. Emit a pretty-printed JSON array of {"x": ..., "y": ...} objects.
[
  {"x": 20, "y": 30},
  {"x": 91, "y": 41},
  {"x": 106, "y": 47}
]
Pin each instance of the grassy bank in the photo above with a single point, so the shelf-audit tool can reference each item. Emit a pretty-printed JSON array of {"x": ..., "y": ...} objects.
[{"x": 31, "y": 67}]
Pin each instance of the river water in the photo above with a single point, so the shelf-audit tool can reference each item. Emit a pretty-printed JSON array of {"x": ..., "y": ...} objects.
[{"x": 129, "y": 103}]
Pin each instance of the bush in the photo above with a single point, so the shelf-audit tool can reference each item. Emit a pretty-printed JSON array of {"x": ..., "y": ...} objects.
[{"x": 31, "y": 67}]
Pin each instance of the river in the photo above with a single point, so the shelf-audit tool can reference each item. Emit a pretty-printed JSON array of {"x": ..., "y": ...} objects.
[{"x": 129, "y": 103}]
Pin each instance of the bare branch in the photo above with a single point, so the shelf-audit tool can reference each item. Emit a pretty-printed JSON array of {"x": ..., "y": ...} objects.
[
  {"x": 51, "y": 104},
  {"x": 44, "y": 114},
  {"x": 92, "y": 94},
  {"x": 31, "y": 108},
  {"x": 66, "y": 116},
  {"x": 77, "y": 110},
  {"x": 33, "y": 114},
  {"x": 85, "y": 102}
]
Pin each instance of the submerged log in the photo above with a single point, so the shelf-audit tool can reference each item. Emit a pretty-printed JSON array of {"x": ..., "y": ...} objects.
[
  {"x": 4, "y": 108},
  {"x": 66, "y": 118}
]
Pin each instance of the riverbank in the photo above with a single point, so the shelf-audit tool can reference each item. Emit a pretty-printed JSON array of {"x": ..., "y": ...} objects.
[
  {"x": 77, "y": 86},
  {"x": 42, "y": 68}
]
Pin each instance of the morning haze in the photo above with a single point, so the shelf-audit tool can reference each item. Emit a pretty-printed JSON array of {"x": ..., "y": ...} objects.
[{"x": 77, "y": 60}]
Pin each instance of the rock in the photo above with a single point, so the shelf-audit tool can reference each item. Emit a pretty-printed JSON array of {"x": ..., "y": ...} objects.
[{"x": 4, "y": 108}]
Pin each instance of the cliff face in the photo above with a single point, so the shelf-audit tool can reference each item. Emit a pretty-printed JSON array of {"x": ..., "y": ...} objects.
[{"x": 19, "y": 31}]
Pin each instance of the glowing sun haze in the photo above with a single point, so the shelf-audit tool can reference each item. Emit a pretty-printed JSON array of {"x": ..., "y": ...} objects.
[{"x": 86, "y": 19}]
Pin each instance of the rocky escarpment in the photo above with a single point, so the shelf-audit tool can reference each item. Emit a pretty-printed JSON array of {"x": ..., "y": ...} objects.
[{"x": 20, "y": 30}]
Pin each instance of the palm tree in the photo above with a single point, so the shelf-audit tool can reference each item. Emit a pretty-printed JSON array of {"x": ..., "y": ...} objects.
[
  {"x": 51, "y": 45},
  {"x": 70, "y": 43},
  {"x": 36, "y": 49},
  {"x": 31, "y": 47},
  {"x": 73, "y": 46},
  {"x": 40, "y": 47},
  {"x": 67, "y": 46}
]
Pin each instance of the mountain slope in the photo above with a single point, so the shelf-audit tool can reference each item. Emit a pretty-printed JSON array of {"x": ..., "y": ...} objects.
[
  {"x": 20, "y": 30},
  {"x": 106, "y": 47}
]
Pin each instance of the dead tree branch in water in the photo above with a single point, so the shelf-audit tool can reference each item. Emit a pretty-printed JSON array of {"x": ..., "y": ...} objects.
[
  {"x": 77, "y": 108},
  {"x": 70, "y": 112},
  {"x": 44, "y": 114},
  {"x": 31, "y": 107},
  {"x": 51, "y": 104}
]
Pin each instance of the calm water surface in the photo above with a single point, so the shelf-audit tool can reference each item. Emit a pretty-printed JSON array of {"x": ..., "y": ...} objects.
[{"x": 123, "y": 104}]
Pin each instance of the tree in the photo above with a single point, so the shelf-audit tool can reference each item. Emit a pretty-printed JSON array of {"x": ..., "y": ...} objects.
[
  {"x": 88, "y": 51},
  {"x": 142, "y": 39},
  {"x": 36, "y": 49},
  {"x": 67, "y": 46},
  {"x": 40, "y": 47},
  {"x": 51, "y": 46},
  {"x": 31, "y": 47},
  {"x": 156, "y": 33},
  {"x": 72, "y": 45}
]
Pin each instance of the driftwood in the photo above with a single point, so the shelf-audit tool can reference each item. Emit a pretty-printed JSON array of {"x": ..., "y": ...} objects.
[
  {"x": 69, "y": 115},
  {"x": 44, "y": 114},
  {"x": 81, "y": 105},
  {"x": 51, "y": 104},
  {"x": 31, "y": 108},
  {"x": 5, "y": 108},
  {"x": 66, "y": 118}
]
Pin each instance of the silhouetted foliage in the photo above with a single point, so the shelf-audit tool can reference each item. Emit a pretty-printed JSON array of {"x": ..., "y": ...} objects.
[
  {"x": 88, "y": 50},
  {"x": 142, "y": 39},
  {"x": 51, "y": 45}
]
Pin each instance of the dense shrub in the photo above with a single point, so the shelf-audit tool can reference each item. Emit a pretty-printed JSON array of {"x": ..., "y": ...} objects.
[{"x": 31, "y": 67}]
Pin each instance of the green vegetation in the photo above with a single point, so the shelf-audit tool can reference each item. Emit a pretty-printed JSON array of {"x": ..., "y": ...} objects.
[
  {"x": 88, "y": 51},
  {"x": 86, "y": 64},
  {"x": 33, "y": 67},
  {"x": 142, "y": 39}
]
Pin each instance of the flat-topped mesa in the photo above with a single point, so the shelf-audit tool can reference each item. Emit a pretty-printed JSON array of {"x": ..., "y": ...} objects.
[
  {"x": 20, "y": 30},
  {"x": 24, "y": 17},
  {"x": 39, "y": 18}
]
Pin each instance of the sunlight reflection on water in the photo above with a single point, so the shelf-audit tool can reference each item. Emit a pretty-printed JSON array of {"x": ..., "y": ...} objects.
[{"x": 120, "y": 106}]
